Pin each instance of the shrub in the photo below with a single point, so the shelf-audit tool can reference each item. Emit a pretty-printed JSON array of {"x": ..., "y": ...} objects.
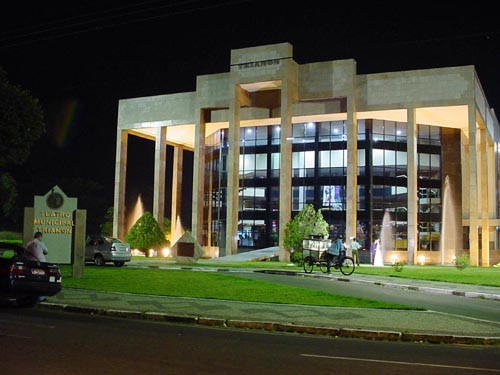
[
  {"x": 398, "y": 266},
  {"x": 146, "y": 234},
  {"x": 306, "y": 222},
  {"x": 462, "y": 262}
]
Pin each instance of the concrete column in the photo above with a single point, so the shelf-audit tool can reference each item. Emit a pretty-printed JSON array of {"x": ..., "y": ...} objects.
[
  {"x": 175, "y": 231},
  {"x": 79, "y": 235},
  {"x": 473, "y": 188},
  {"x": 120, "y": 180},
  {"x": 198, "y": 176},
  {"x": 159, "y": 175},
  {"x": 485, "y": 222},
  {"x": 285, "y": 200},
  {"x": 233, "y": 161},
  {"x": 352, "y": 169},
  {"x": 412, "y": 172}
]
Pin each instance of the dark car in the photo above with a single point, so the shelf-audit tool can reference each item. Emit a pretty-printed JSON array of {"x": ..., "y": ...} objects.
[{"x": 26, "y": 280}]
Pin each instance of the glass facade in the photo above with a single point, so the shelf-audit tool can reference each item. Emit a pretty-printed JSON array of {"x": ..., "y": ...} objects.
[{"x": 319, "y": 167}]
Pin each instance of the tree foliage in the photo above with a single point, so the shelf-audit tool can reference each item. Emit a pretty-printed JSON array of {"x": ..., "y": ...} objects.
[
  {"x": 21, "y": 122},
  {"x": 8, "y": 196},
  {"x": 146, "y": 234},
  {"x": 107, "y": 226},
  {"x": 307, "y": 222}
]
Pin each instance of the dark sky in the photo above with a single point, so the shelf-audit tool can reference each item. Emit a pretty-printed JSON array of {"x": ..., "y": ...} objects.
[{"x": 79, "y": 60}]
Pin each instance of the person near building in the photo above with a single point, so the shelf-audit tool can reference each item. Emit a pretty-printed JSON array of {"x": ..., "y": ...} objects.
[
  {"x": 36, "y": 249},
  {"x": 355, "y": 246}
]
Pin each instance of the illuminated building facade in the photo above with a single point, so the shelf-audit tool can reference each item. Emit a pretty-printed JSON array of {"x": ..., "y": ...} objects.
[{"x": 270, "y": 136}]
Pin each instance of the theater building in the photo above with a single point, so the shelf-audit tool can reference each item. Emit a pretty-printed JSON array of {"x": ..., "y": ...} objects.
[{"x": 269, "y": 136}]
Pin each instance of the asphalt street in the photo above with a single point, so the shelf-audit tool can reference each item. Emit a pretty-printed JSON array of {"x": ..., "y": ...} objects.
[
  {"x": 471, "y": 307},
  {"x": 45, "y": 342}
]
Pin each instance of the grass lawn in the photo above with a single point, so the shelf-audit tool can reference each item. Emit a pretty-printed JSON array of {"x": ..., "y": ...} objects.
[
  {"x": 471, "y": 275},
  {"x": 182, "y": 283}
]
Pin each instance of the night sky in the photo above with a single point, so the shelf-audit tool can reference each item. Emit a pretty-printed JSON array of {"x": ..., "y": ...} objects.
[{"x": 79, "y": 60}]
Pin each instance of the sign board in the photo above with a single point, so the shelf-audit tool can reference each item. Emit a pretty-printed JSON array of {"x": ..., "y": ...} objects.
[{"x": 54, "y": 216}]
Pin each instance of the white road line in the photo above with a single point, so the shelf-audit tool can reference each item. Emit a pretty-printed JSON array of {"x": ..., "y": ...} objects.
[{"x": 401, "y": 363}]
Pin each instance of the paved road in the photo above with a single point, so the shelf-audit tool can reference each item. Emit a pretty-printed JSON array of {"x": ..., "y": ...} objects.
[
  {"x": 43, "y": 342},
  {"x": 471, "y": 307}
]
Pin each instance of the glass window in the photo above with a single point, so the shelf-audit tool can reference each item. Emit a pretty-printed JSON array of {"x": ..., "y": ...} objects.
[
  {"x": 333, "y": 197},
  {"x": 435, "y": 135},
  {"x": 361, "y": 158},
  {"x": 401, "y": 131},
  {"x": 324, "y": 159},
  {"x": 302, "y": 195},
  {"x": 337, "y": 131},
  {"x": 378, "y": 130},
  {"x": 275, "y": 164},
  {"x": 261, "y": 162},
  {"x": 275, "y": 134},
  {"x": 378, "y": 157},
  {"x": 337, "y": 158},
  {"x": 390, "y": 131}
]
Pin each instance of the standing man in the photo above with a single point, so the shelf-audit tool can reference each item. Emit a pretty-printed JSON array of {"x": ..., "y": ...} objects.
[
  {"x": 355, "y": 246},
  {"x": 36, "y": 249}
]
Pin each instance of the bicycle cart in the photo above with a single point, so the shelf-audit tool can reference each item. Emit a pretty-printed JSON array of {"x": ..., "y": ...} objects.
[{"x": 314, "y": 254}]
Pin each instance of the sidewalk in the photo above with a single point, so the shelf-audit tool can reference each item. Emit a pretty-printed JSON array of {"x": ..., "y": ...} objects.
[{"x": 403, "y": 325}]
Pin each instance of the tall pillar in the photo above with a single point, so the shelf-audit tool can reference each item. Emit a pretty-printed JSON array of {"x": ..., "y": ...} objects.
[
  {"x": 120, "y": 179},
  {"x": 412, "y": 188},
  {"x": 159, "y": 175},
  {"x": 473, "y": 188},
  {"x": 175, "y": 229},
  {"x": 198, "y": 175},
  {"x": 352, "y": 169},
  {"x": 485, "y": 222},
  {"x": 285, "y": 200},
  {"x": 233, "y": 161}
]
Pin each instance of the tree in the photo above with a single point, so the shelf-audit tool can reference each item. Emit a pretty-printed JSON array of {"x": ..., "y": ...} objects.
[
  {"x": 107, "y": 226},
  {"x": 21, "y": 122},
  {"x": 306, "y": 222},
  {"x": 146, "y": 234}
]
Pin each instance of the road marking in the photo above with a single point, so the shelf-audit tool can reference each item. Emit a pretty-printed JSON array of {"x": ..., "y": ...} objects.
[
  {"x": 465, "y": 317},
  {"x": 401, "y": 363}
]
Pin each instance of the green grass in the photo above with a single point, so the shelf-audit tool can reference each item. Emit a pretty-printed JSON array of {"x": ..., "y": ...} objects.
[
  {"x": 471, "y": 275},
  {"x": 11, "y": 237},
  {"x": 182, "y": 283}
]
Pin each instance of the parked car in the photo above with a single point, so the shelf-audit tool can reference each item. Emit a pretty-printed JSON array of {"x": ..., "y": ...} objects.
[
  {"x": 102, "y": 249},
  {"x": 26, "y": 280}
]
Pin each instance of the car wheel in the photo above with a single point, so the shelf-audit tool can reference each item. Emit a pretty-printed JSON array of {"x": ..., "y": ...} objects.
[
  {"x": 119, "y": 264},
  {"x": 27, "y": 301},
  {"x": 99, "y": 260}
]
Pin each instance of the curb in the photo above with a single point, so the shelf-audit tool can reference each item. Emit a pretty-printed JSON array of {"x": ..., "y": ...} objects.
[
  {"x": 277, "y": 327},
  {"x": 426, "y": 289}
]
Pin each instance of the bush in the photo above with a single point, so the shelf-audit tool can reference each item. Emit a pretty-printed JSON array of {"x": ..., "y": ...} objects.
[
  {"x": 462, "y": 262},
  {"x": 296, "y": 257},
  {"x": 146, "y": 234},
  {"x": 306, "y": 222},
  {"x": 398, "y": 266}
]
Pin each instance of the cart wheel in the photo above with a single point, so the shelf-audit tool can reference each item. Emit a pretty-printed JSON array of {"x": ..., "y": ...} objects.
[
  {"x": 308, "y": 264},
  {"x": 347, "y": 266}
]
